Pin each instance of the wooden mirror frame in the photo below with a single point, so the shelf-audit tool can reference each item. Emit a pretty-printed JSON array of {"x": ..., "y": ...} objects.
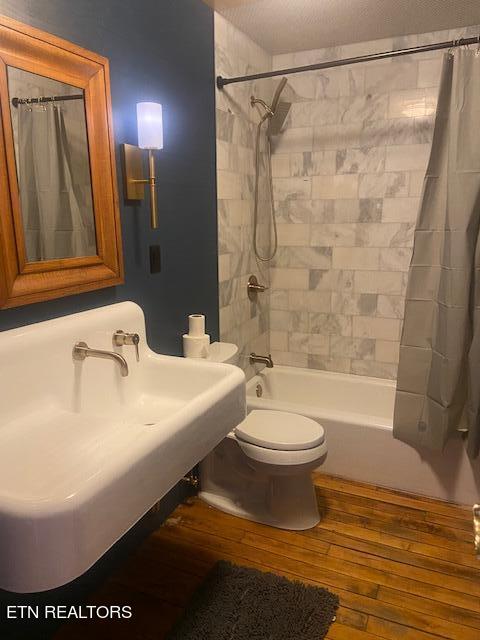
[{"x": 23, "y": 282}]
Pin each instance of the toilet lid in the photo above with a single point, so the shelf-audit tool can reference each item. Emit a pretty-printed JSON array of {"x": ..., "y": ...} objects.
[{"x": 280, "y": 430}]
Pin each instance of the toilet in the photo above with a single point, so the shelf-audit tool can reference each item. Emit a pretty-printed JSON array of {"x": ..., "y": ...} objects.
[{"x": 262, "y": 470}]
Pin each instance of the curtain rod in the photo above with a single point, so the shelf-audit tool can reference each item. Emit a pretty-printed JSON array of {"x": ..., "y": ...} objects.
[
  {"x": 17, "y": 101},
  {"x": 222, "y": 82}
]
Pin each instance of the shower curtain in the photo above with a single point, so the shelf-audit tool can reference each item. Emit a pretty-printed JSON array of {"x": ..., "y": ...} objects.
[
  {"x": 55, "y": 189},
  {"x": 438, "y": 388}
]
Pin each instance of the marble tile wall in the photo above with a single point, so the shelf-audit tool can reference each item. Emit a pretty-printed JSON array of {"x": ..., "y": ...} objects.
[
  {"x": 242, "y": 322},
  {"x": 348, "y": 172}
]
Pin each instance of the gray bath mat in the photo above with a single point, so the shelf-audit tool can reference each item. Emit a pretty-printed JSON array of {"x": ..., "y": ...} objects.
[{"x": 236, "y": 603}]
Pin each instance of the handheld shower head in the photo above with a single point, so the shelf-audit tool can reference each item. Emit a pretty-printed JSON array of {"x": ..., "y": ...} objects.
[{"x": 275, "y": 115}]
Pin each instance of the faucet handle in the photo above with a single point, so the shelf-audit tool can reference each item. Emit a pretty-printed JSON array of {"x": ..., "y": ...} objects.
[
  {"x": 121, "y": 338},
  {"x": 254, "y": 287},
  {"x": 136, "y": 341}
]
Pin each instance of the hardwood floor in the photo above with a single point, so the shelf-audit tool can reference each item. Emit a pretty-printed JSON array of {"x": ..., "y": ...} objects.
[{"x": 403, "y": 566}]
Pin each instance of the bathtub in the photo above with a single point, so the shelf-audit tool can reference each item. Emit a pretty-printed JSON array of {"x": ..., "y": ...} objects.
[{"x": 357, "y": 415}]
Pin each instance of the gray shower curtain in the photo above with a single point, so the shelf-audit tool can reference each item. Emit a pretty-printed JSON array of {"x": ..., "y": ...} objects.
[
  {"x": 55, "y": 191},
  {"x": 438, "y": 388}
]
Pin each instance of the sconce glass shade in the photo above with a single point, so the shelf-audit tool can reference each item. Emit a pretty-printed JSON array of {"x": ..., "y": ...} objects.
[{"x": 150, "y": 125}]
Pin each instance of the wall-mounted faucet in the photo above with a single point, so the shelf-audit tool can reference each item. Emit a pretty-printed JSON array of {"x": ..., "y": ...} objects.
[
  {"x": 81, "y": 351},
  {"x": 121, "y": 338},
  {"x": 267, "y": 360}
]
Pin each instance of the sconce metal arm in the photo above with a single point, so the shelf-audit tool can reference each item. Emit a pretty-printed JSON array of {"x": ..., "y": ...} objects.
[{"x": 133, "y": 168}]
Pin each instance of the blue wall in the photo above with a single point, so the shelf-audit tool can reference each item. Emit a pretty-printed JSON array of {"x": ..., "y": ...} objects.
[{"x": 160, "y": 51}]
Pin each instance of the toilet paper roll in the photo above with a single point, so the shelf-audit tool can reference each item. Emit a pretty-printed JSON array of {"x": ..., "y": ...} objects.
[
  {"x": 196, "y": 346},
  {"x": 196, "y": 325}
]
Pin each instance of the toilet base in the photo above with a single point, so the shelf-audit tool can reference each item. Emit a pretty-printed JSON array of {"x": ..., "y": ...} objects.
[
  {"x": 282, "y": 497},
  {"x": 291, "y": 504}
]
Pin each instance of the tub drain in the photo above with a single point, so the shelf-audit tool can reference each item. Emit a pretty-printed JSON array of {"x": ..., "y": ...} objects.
[{"x": 259, "y": 390}]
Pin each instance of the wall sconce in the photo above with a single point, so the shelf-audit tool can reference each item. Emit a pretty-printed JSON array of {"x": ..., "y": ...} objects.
[{"x": 150, "y": 137}]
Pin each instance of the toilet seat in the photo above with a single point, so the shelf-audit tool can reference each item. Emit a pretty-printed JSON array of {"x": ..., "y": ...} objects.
[
  {"x": 288, "y": 459},
  {"x": 280, "y": 431}
]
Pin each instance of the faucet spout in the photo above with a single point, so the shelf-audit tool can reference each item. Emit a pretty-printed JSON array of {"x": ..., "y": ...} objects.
[
  {"x": 266, "y": 360},
  {"x": 81, "y": 351}
]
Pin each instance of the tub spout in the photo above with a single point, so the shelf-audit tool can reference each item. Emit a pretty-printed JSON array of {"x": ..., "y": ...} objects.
[{"x": 267, "y": 360}]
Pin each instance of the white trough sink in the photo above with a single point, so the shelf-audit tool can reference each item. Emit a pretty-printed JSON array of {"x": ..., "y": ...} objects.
[{"x": 85, "y": 452}]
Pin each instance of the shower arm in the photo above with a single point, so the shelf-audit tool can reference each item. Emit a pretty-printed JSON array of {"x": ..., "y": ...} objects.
[{"x": 268, "y": 112}]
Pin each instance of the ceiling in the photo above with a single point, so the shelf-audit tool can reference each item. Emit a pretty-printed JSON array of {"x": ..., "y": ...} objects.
[{"x": 283, "y": 26}]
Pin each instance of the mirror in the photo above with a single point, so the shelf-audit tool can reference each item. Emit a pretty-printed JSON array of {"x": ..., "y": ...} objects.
[
  {"x": 53, "y": 167},
  {"x": 59, "y": 217}
]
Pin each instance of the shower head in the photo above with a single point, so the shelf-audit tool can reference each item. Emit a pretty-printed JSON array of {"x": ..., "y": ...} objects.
[
  {"x": 277, "y": 112},
  {"x": 276, "y": 122},
  {"x": 278, "y": 93},
  {"x": 280, "y": 110}
]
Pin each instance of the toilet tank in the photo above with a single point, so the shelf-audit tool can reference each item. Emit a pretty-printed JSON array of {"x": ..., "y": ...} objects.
[{"x": 225, "y": 352}]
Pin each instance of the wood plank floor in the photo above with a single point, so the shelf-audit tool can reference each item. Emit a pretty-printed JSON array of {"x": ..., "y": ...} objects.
[{"x": 403, "y": 566}]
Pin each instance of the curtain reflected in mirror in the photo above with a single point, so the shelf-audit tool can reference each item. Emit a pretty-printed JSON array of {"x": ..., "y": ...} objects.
[{"x": 53, "y": 167}]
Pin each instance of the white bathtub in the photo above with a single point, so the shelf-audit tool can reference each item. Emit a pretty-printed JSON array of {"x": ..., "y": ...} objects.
[{"x": 357, "y": 414}]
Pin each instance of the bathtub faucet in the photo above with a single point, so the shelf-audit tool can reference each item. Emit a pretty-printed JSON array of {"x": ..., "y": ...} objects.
[{"x": 267, "y": 360}]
